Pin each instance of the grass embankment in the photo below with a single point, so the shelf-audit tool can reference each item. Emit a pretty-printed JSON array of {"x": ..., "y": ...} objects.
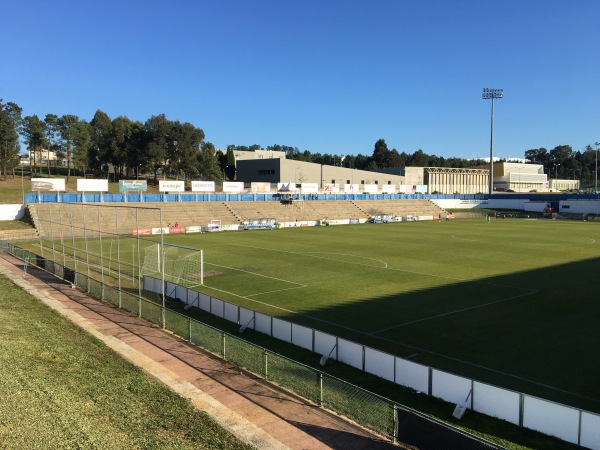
[{"x": 61, "y": 388}]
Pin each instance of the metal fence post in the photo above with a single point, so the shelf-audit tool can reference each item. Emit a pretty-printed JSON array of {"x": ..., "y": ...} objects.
[
  {"x": 223, "y": 346},
  {"x": 320, "y": 388},
  {"x": 394, "y": 422},
  {"x": 266, "y": 361}
]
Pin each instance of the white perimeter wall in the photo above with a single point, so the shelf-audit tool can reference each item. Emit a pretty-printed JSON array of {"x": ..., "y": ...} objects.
[
  {"x": 12, "y": 212},
  {"x": 574, "y": 206},
  {"x": 566, "y": 423}
]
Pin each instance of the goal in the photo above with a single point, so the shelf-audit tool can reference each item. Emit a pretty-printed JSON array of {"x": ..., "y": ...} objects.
[
  {"x": 181, "y": 265},
  {"x": 214, "y": 225}
]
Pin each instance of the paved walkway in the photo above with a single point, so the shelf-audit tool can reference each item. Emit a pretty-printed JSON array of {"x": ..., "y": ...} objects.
[{"x": 249, "y": 408}]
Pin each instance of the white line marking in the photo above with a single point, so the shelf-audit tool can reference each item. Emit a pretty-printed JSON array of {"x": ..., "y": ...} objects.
[
  {"x": 444, "y": 277},
  {"x": 312, "y": 255},
  {"x": 453, "y": 312},
  {"x": 277, "y": 290},
  {"x": 256, "y": 274}
]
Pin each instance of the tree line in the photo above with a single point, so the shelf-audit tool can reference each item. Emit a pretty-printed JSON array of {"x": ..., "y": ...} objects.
[
  {"x": 130, "y": 147},
  {"x": 179, "y": 150}
]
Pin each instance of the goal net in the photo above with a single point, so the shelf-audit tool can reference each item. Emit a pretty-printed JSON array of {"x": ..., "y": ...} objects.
[{"x": 180, "y": 265}]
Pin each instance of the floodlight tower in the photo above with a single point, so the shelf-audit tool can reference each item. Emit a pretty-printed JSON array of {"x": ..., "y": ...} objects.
[
  {"x": 596, "y": 171},
  {"x": 487, "y": 95}
]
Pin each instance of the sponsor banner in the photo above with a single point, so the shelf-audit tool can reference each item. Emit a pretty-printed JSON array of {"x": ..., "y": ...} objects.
[
  {"x": 370, "y": 188},
  {"x": 311, "y": 223},
  {"x": 133, "y": 185},
  {"x": 203, "y": 186},
  {"x": 231, "y": 227},
  {"x": 354, "y": 221},
  {"x": 176, "y": 230},
  {"x": 260, "y": 187},
  {"x": 421, "y": 188},
  {"x": 47, "y": 184},
  {"x": 388, "y": 188},
  {"x": 142, "y": 231},
  {"x": 406, "y": 188},
  {"x": 351, "y": 188},
  {"x": 160, "y": 230},
  {"x": 286, "y": 187},
  {"x": 309, "y": 188},
  {"x": 171, "y": 186},
  {"x": 450, "y": 216},
  {"x": 85, "y": 185},
  {"x": 233, "y": 186},
  {"x": 193, "y": 229},
  {"x": 335, "y": 222},
  {"x": 331, "y": 188}
]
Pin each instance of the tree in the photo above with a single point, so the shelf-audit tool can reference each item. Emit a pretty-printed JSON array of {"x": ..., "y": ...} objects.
[
  {"x": 381, "y": 154},
  {"x": 10, "y": 122},
  {"x": 84, "y": 155},
  {"x": 157, "y": 130},
  {"x": 137, "y": 150},
  {"x": 537, "y": 156},
  {"x": 33, "y": 131},
  {"x": 230, "y": 167},
  {"x": 208, "y": 163},
  {"x": 52, "y": 136},
  {"x": 67, "y": 129},
  {"x": 419, "y": 159},
  {"x": 184, "y": 148},
  {"x": 102, "y": 139}
]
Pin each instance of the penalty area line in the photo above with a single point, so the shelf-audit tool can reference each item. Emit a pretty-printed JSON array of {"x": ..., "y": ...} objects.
[
  {"x": 450, "y": 313},
  {"x": 256, "y": 274}
]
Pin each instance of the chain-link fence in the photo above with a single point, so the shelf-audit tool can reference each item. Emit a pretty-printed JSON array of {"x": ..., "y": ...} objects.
[{"x": 372, "y": 411}]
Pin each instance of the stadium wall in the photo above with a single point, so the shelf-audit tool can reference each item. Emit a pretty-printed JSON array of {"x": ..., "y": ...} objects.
[
  {"x": 12, "y": 212},
  {"x": 564, "y": 422}
]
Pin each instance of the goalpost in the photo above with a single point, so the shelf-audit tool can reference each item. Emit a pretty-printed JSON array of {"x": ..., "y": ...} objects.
[
  {"x": 214, "y": 225},
  {"x": 181, "y": 265}
]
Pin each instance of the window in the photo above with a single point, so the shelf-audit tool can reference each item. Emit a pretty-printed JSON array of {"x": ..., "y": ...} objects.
[{"x": 347, "y": 181}]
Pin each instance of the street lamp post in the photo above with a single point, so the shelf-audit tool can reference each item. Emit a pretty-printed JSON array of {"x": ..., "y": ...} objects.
[{"x": 491, "y": 94}]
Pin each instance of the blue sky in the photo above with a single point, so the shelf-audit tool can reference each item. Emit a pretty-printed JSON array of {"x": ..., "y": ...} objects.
[{"x": 325, "y": 76}]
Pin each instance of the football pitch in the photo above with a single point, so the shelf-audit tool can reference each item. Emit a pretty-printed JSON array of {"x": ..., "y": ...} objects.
[{"x": 514, "y": 303}]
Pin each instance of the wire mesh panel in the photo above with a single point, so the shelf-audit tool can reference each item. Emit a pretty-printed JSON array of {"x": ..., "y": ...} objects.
[
  {"x": 152, "y": 312},
  {"x": 111, "y": 295},
  {"x": 95, "y": 288},
  {"x": 207, "y": 337},
  {"x": 294, "y": 376},
  {"x": 130, "y": 302},
  {"x": 244, "y": 355},
  {"x": 177, "y": 323},
  {"x": 359, "y": 405}
]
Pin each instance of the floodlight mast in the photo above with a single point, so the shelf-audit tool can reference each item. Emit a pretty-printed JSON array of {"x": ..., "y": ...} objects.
[{"x": 487, "y": 95}]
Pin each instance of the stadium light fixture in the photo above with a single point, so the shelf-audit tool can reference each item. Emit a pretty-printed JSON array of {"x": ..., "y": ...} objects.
[{"x": 491, "y": 94}]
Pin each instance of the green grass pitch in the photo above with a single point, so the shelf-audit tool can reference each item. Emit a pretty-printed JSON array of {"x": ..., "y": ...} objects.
[{"x": 514, "y": 303}]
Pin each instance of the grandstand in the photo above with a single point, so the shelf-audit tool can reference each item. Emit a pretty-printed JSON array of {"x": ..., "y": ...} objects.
[
  {"x": 203, "y": 213},
  {"x": 400, "y": 208}
]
